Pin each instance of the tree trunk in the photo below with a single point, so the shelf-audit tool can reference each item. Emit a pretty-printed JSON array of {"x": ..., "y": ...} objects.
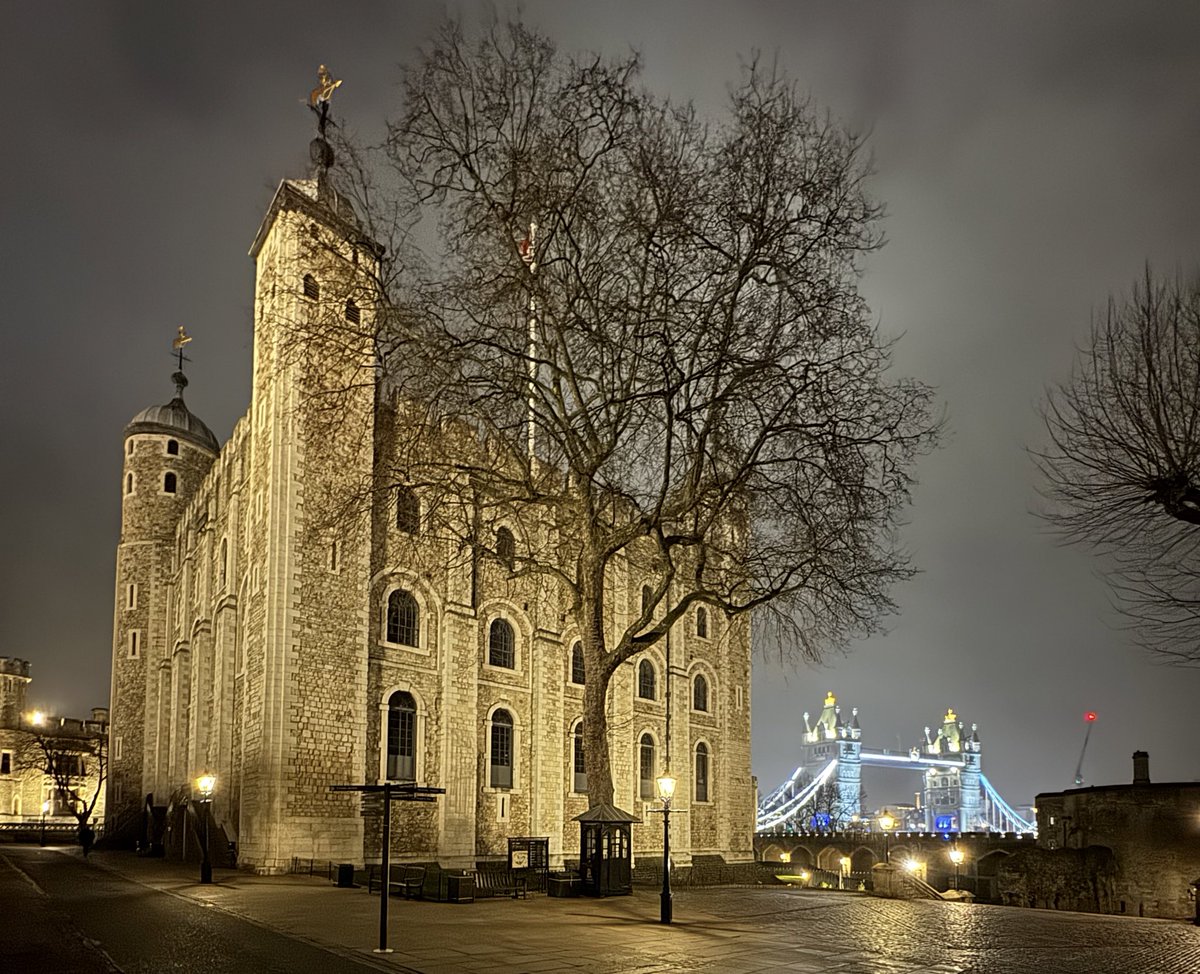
[{"x": 595, "y": 690}]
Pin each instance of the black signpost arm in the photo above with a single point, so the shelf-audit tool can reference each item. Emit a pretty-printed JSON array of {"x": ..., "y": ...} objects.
[
  {"x": 387, "y": 791},
  {"x": 385, "y": 870}
]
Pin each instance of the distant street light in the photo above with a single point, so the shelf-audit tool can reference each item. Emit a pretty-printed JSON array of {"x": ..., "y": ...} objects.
[
  {"x": 666, "y": 791},
  {"x": 887, "y": 823},
  {"x": 45, "y": 809},
  {"x": 205, "y": 785},
  {"x": 956, "y": 857}
]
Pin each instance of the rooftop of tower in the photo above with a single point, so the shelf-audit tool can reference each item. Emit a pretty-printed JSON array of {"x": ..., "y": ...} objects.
[{"x": 174, "y": 419}]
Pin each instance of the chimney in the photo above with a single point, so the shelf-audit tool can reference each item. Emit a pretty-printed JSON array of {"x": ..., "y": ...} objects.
[{"x": 1141, "y": 768}]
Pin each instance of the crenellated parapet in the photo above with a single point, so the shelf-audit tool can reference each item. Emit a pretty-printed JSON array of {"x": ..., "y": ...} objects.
[{"x": 11, "y": 666}]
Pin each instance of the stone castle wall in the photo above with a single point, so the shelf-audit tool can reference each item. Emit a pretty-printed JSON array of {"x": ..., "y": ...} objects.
[{"x": 268, "y": 662}]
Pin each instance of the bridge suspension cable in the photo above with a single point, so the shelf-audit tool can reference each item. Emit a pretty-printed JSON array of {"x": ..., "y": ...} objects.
[
  {"x": 779, "y": 809},
  {"x": 999, "y": 814}
]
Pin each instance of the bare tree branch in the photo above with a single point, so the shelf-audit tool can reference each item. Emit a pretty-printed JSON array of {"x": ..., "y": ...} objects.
[{"x": 1122, "y": 469}]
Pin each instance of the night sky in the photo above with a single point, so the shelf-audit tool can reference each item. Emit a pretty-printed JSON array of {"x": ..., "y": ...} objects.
[{"x": 1032, "y": 157}]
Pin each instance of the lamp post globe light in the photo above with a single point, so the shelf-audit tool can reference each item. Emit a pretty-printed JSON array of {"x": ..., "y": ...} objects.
[
  {"x": 887, "y": 823},
  {"x": 205, "y": 785},
  {"x": 956, "y": 857},
  {"x": 666, "y": 791}
]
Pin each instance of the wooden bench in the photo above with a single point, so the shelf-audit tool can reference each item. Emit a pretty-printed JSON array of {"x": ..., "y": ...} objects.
[
  {"x": 409, "y": 881},
  {"x": 500, "y": 882}
]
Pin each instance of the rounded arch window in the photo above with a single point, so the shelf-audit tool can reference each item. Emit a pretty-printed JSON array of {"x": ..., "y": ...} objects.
[
  {"x": 646, "y": 766},
  {"x": 647, "y": 682},
  {"x": 578, "y": 764},
  {"x": 403, "y": 619},
  {"x": 310, "y": 287},
  {"x": 401, "y": 737},
  {"x": 169, "y": 483},
  {"x": 501, "y": 644},
  {"x": 647, "y": 599},
  {"x": 353, "y": 315},
  {"x": 700, "y": 693},
  {"x": 702, "y": 622},
  {"x": 506, "y": 547},
  {"x": 408, "y": 510},
  {"x": 702, "y": 770},
  {"x": 501, "y": 750},
  {"x": 173, "y": 447},
  {"x": 577, "y": 670}
]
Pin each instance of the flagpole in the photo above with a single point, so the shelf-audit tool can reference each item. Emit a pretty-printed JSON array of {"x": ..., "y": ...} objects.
[{"x": 531, "y": 352}]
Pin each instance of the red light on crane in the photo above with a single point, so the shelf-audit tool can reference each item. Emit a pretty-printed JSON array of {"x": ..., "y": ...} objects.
[{"x": 1090, "y": 716}]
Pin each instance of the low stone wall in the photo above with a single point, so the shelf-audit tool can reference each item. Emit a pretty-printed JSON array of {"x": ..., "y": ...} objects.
[{"x": 705, "y": 871}]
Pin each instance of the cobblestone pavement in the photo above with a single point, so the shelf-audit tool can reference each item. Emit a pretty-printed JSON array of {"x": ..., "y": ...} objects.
[
  {"x": 860, "y": 935},
  {"x": 728, "y": 930}
]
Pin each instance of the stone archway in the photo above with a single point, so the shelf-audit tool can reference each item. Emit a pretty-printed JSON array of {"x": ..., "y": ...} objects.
[{"x": 980, "y": 877}]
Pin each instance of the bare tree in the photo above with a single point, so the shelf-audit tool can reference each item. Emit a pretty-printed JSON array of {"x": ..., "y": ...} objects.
[
  {"x": 638, "y": 336},
  {"x": 1122, "y": 469},
  {"x": 78, "y": 766}
]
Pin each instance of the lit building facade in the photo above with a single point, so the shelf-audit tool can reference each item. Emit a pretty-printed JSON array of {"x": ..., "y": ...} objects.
[{"x": 251, "y": 642}]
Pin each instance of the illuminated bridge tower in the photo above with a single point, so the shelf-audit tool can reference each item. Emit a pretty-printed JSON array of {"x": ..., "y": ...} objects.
[
  {"x": 831, "y": 737},
  {"x": 952, "y": 795}
]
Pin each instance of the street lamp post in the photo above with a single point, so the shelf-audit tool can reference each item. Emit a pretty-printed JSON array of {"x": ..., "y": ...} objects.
[
  {"x": 666, "y": 790},
  {"x": 205, "y": 785},
  {"x": 45, "y": 809},
  {"x": 887, "y": 823},
  {"x": 956, "y": 857}
]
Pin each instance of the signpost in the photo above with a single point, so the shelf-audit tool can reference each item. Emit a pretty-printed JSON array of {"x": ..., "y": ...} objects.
[{"x": 377, "y": 800}]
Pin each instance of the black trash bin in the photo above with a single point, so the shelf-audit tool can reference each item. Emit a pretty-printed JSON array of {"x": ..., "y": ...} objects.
[
  {"x": 460, "y": 889},
  {"x": 345, "y": 875}
]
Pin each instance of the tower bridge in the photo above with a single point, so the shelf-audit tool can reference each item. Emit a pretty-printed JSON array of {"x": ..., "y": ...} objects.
[{"x": 824, "y": 793}]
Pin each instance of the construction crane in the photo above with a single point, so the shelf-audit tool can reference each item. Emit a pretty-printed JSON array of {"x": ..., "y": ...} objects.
[{"x": 1089, "y": 718}]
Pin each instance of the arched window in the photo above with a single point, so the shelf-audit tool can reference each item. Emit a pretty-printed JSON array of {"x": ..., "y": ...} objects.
[
  {"x": 169, "y": 482},
  {"x": 403, "y": 619},
  {"x": 129, "y": 483},
  {"x": 352, "y": 313},
  {"x": 224, "y": 561},
  {"x": 173, "y": 447},
  {"x": 312, "y": 289},
  {"x": 500, "y": 644},
  {"x": 646, "y": 765},
  {"x": 408, "y": 511},
  {"x": 701, "y": 772},
  {"x": 702, "y": 622},
  {"x": 577, "y": 675},
  {"x": 506, "y": 547},
  {"x": 647, "y": 598},
  {"x": 647, "y": 687},
  {"x": 501, "y": 752},
  {"x": 578, "y": 767},
  {"x": 700, "y": 693},
  {"x": 401, "y": 737}
]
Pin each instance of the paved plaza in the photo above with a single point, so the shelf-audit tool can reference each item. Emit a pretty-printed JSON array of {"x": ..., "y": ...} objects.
[{"x": 734, "y": 930}]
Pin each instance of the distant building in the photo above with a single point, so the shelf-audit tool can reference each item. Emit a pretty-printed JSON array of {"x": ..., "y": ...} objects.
[
  {"x": 251, "y": 644},
  {"x": 75, "y": 745},
  {"x": 1151, "y": 828}
]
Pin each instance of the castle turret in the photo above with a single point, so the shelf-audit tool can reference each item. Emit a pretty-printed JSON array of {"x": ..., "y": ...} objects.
[
  {"x": 14, "y": 678},
  {"x": 167, "y": 452}
]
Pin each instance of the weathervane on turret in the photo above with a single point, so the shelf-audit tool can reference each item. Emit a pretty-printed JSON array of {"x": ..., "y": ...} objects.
[
  {"x": 318, "y": 101},
  {"x": 181, "y": 339}
]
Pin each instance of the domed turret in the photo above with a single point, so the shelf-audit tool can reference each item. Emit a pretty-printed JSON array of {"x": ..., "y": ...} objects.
[{"x": 174, "y": 419}]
